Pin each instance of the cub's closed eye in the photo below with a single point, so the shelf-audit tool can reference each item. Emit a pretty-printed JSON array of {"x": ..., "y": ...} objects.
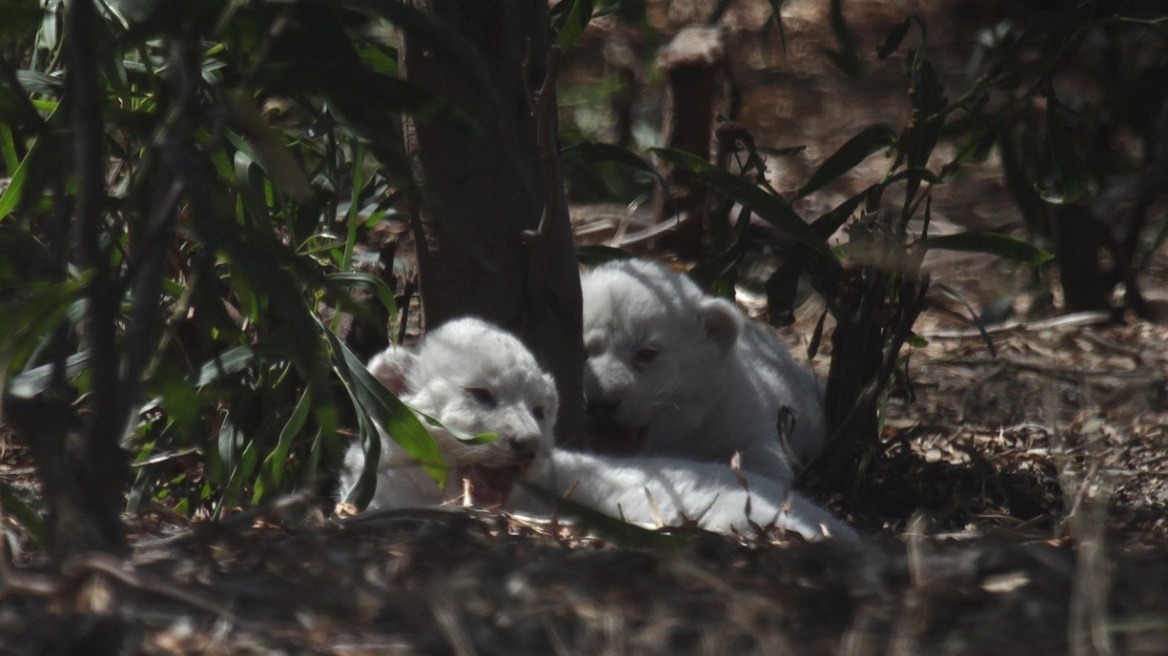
[
  {"x": 482, "y": 395},
  {"x": 645, "y": 356},
  {"x": 537, "y": 412}
]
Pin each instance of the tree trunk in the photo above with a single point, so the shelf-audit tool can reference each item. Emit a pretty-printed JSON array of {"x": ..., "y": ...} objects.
[
  {"x": 482, "y": 248},
  {"x": 694, "y": 66},
  {"x": 1077, "y": 241}
]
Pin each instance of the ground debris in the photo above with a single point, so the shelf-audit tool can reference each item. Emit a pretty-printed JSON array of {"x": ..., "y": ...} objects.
[{"x": 464, "y": 582}]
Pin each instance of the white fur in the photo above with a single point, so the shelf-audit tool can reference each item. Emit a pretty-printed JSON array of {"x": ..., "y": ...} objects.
[
  {"x": 716, "y": 383},
  {"x": 471, "y": 354},
  {"x": 652, "y": 491},
  {"x": 439, "y": 380}
]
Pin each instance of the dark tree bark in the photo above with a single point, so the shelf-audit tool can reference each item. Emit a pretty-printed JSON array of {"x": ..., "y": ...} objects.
[
  {"x": 1077, "y": 242},
  {"x": 482, "y": 247},
  {"x": 872, "y": 324},
  {"x": 694, "y": 65},
  {"x": 84, "y": 470}
]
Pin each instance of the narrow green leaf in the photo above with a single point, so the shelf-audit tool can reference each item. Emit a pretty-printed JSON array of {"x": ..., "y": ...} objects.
[
  {"x": 682, "y": 159},
  {"x": 847, "y": 58},
  {"x": 233, "y": 361},
  {"x": 25, "y": 321},
  {"x": 437, "y": 37},
  {"x": 773, "y": 210},
  {"x": 12, "y": 195},
  {"x": 817, "y": 334},
  {"x": 1067, "y": 157},
  {"x": 574, "y": 24},
  {"x": 974, "y": 318},
  {"x": 993, "y": 243},
  {"x": 928, "y": 93},
  {"x": 29, "y": 383},
  {"x": 849, "y": 63},
  {"x": 356, "y": 85},
  {"x": 371, "y": 282},
  {"x": 776, "y": 19},
  {"x": 274, "y": 465},
  {"x": 593, "y": 151},
  {"x": 614, "y": 529},
  {"x": 8, "y": 149},
  {"x": 829, "y": 222},
  {"x": 870, "y": 140},
  {"x": 41, "y": 83},
  {"x": 893, "y": 40},
  {"x": 373, "y": 399},
  {"x": 781, "y": 152},
  {"x": 241, "y": 473},
  {"x": 269, "y": 149},
  {"x": 782, "y": 289},
  {"x": 594, "y": 254},
  {"x": 24, "y": 515}
]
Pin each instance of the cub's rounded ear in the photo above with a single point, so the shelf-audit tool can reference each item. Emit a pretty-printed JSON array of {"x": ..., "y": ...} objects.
[
  {"x": 392, "y": 367},
  {"x": 722, "y": 320}
]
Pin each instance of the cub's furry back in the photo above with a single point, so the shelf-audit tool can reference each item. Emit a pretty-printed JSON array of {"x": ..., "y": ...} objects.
[
  {"x": 672, "y": 372},
  {"x": 474, "y": 377}
]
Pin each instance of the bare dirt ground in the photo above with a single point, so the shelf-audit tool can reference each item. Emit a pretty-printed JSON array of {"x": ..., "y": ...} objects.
[{"x": 1018, "y": 506}]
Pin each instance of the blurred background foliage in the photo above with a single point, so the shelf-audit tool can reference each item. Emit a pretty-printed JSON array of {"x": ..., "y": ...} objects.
[{"x": 256, "y": 150}]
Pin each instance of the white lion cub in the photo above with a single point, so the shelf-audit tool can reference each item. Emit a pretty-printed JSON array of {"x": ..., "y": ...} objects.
[
  {"x": 672, "y": 372},
  {"x": 474, "y": 377}
]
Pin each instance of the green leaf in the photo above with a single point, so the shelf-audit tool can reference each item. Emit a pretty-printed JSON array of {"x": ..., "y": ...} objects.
[
  {"x": 235, "y": 360},
  {"x": 927, "y": 92},
  {"x": 274, "y": 465},
  {"x": 782, "y": 289},
  {"x": 438, "y": 38},
  {"x": 371, "y": 282},
  {"x": 593, "y": 151},
  {"x": 41, "y": 83},
  {"x": 267, "y": 147},
  {"x": 12, "y": 195},
  {"x": 1073, "y": 179},
  {"x": 847, "y": 58},
  {"x": 683, "y": 159},
  {"x": 461, "y": 436},
  {"x": 24, "y": 515},
  {"x": 828, "y": 223},
  {"x": 778, "y": 213},
  {"x": 241, "y": 474},
  {"x": 973, "y": 316},
  {"x": 870, "y": 140},
  {"x": 594, "y": 254},
  {"x": 993, "y": 243},
  {"x": 372, "y": 399},
  {"x": 29, "y": 383},
  {"x": 25, "y": 322},
  {"x": 339, "y": 79},
  {"x": 574, "y": 24},
  {"x": 916, "y": 341},
  {"x": 780, "y": 152},
  {"x": 621, "y": 532},
  {"x": 895, "y": 37}
]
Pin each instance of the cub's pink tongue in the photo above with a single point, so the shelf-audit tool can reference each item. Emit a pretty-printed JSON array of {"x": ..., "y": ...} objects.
[{"x": 490, "y": 486}]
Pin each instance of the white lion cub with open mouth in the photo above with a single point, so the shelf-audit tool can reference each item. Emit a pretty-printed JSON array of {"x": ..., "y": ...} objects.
[
  {"x": 672, "y": 372},
  {"x": 474, "y": 377}
]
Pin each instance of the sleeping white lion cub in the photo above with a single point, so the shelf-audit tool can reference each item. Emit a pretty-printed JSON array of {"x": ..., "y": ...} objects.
[
  {"x": 474, "y": 377},
  {"x": 672, "y": 372}
]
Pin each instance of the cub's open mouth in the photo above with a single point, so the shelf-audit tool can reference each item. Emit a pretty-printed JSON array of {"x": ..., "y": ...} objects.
[
  {"x": 490, "y": 486},
  {"x": 616, "y": 440}
]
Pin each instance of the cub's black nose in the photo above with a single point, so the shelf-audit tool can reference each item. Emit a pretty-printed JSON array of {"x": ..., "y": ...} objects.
[{"x": 524, "y": 450}]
